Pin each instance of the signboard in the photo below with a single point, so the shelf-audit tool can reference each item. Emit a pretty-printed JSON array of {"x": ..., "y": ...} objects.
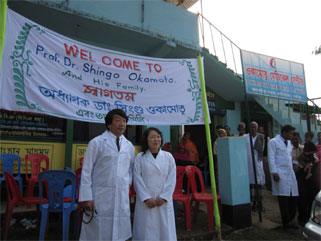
[
  {"x": 273, "y": 77},
  {"x": 45, "y": 72},
  {"x": 31, "y": 125},
  {"x": 55, "y": 152}
]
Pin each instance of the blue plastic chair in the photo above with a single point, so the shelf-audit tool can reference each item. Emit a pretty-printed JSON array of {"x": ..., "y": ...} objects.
[
  {"x": 8, "y": 161},
  {"x": 55, "y": 181}
]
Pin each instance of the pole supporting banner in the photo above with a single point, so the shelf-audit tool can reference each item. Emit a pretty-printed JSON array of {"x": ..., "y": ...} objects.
[{"x": 209, "y": 145}]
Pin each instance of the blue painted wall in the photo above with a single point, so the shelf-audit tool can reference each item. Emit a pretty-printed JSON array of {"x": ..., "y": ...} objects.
[
  {"x": 233, "y": 175},
  {"x": 152, "y": 17}
]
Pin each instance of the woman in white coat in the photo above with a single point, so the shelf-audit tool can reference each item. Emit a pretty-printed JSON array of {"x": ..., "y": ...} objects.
[{"x": 154, "y": 181}]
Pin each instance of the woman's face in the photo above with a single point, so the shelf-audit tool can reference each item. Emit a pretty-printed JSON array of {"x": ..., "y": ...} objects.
[
  {"x": 221, "y": 133},
  {"x": 295, "y": 140},
  {"x": 154, "y": 140}
]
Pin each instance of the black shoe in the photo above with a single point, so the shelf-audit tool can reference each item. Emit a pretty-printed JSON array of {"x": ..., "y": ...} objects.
[
  {"x": 262, "y": 209},
  {"x": 290, "y": 225}
]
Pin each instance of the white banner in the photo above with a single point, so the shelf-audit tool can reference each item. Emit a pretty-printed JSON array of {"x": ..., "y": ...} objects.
[{"x": 45, "y": 72}]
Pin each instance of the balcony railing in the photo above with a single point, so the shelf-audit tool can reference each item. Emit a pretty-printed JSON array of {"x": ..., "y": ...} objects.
[{"x": 227, "y": 52}]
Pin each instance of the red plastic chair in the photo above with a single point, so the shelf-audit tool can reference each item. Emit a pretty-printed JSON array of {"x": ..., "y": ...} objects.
[
  {"x": 81, "y": 160},
  {"x": 178, "y": 195},
  {"x": 35, "y": 161},
  {"x": 201, "y": 196},
  {"x": 15, "y": 198}
]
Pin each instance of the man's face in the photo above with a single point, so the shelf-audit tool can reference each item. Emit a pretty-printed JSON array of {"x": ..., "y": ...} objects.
[
  {"x": 241, "y": 129},
  {"x": 253, "y": 129},
  {"x": 288, "y": 135},
  {"x": 261, "y": 130},
  {"x": 118, "y": 125}
]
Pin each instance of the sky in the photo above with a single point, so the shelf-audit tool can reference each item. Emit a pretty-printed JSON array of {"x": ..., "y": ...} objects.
[{"x": 286, "y": 29}]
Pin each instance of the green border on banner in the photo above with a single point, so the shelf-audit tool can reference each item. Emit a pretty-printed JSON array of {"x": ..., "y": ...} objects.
[
  {"x": 3, "y": 18},
  {"x": 21, "y": 64}
]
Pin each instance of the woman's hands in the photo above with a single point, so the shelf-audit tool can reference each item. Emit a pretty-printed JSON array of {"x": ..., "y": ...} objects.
[{"x": 151, "y": 203}]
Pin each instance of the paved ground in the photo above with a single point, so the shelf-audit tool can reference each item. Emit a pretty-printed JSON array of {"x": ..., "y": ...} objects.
[{"x": 269, "y": 229}]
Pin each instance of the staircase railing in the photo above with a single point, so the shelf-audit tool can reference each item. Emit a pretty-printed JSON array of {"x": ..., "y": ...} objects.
[
  {"x": 227, "y": 52},
  {"x": 219, "y": 45}
]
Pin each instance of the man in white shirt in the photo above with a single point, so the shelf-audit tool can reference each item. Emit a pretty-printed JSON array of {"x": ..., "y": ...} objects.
[
  {"x": 258, "y": 147},
  {"x": 284, "y": 183},
  {"x": 105, "y": 180}
]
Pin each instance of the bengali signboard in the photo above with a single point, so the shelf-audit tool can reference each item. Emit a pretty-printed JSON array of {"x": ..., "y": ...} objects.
[
  {"x": 45, "y": 72},
  {"x": 273, "y": 77},
  {"x": 31, "y": 125}
]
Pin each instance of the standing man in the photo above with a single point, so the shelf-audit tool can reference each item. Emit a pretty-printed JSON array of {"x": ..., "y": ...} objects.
[
  {"x": 258, "y": 148},
  {"x": 284, "y": 184},
  {"x": 268, "y": 183},
  {"x": 105, "y": 180},
  {"x": 241, "y": 128}
]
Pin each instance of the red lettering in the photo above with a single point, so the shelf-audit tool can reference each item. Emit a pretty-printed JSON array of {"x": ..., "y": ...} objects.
[
  {"x": 118, "y": 65},
  {"x": 158, "y": 68},
  {"x": 149, "y": 66},
  {"x": 90, "y": 58},
  {"x": 135, "y": 64},
  {"x": 108, "y": 58},
  {"x": 71, "y": 49},
  {"x": 83, "y": 54},
  {"x": 127, "y": 64}
]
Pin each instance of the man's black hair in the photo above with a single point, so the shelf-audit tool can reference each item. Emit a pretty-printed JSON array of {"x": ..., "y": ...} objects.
[
  {"x": 309, "y": 134},
  {"x": 110, "y": 115},
  {"x": 287, "y": 128}
]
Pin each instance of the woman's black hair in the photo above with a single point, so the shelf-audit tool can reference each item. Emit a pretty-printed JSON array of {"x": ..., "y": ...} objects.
[
  {"x": 298, "y": 135},
  {"x": 110, "y": 115},
  {"x": 145, "y": 136}
]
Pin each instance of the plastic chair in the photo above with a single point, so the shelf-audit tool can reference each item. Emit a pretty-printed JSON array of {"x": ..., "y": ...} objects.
[
  {"x": 15, "y": 198},
  {"x": 55, "y": 181},
  {"x": 178, "y": 195},
  {"x": 8, "y": 161},
  {"x": 201, "y": 196},
  {"x": 81, "y": 160},
  {"x": 35, "y": 161}
]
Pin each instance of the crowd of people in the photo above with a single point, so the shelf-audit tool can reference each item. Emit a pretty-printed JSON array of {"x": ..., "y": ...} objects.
[{"x": 110, "y": 168}]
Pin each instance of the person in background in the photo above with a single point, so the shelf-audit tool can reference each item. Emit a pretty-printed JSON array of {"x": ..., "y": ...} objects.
[
  {"x": 309, "y": 151},
  {"x": 220, "y": 134},
  {"x": 258, "y": 147},
  {"x": 154, "y": 180},
  {"x": 167, "y": 147},
  {"x": 190, "y": 147},
  {"x": 318, "y": 164},
  {"x": 105, "y": 180},
  {"x": 228, "y": 130},
  {"x": 241, "y": 128},
  {"x": 284, "y": 183},
  {"x": 297, "y": 151},
  {"x": 267, "y": 174}
]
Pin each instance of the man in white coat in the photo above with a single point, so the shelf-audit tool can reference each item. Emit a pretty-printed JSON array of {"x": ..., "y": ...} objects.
[
  {"x": 258, "y": 148},
  {"x": 105, "y": 180},
  {"x": 284, "y": 184}
]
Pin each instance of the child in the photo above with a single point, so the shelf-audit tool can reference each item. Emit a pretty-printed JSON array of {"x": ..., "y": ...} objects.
[{"x": 308, "y": 154}]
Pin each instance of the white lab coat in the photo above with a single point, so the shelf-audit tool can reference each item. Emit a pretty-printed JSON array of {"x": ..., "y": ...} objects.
[
  {"x": 105, "y": 178},
  {"x": 280, "y": 161},
  {"x": 258, "y": 163},
  {"x": 154, "y": 178}
]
